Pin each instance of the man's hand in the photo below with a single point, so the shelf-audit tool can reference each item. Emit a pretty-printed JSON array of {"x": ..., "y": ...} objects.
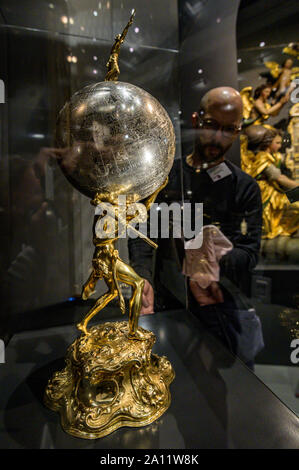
[
  {"x": 147, "y": 299},
  {"x": 211, "y": 295}
]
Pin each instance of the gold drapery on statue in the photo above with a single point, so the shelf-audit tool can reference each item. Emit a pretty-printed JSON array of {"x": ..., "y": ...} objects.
[{"x": 279, "y": 216}]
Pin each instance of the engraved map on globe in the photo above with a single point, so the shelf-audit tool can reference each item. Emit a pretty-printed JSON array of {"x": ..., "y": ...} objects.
[{"x": 116, "y": 138}]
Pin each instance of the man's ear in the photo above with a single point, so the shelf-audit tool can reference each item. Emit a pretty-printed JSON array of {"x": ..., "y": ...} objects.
[{"x": 195, "y": 119}]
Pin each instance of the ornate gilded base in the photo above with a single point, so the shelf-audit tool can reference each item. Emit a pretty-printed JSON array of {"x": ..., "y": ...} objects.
[{"x": 110, "y": 381}]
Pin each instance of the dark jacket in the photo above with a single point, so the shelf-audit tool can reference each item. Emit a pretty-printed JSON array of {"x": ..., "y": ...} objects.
[{"x": 227, "y": 203}]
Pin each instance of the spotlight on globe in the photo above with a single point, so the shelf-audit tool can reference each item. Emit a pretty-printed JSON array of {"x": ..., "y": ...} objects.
[{"x": 116, "y": 139}]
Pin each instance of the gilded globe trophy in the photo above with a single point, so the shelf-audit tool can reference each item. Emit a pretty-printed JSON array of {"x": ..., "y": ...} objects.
[{"x": 117, "y": 147}]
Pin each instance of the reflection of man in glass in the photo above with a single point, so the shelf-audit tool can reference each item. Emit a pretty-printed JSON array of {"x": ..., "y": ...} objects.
[{"x": 231, "y": 201}]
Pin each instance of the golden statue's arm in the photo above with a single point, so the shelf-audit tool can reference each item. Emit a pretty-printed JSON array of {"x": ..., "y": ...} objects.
[
  {"x": 124, "y": 33},
  {"x": 112, "y": 64},
  {"x": 103, "y": 197},
  {"x": 151, "y": 199}
]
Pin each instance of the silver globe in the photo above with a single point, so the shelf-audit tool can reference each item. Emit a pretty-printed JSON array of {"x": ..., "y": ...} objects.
[{"x": 115, "y": 138}]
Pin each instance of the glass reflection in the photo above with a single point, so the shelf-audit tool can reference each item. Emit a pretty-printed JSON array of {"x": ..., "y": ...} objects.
[
  {"x": 268, "y": 68},
  {"x": 36, "y": 226}
]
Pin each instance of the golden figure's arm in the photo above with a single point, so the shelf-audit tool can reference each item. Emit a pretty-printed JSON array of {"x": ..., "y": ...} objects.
[
  {"x": 112, "y": 64},
  {"x": 286, "y": 182},
  {"x": 102, "y": 198},
  {"x": 151, "y": 199},
  {"x": 260, "y": 106},
  {"x": 124, "y": 33}
]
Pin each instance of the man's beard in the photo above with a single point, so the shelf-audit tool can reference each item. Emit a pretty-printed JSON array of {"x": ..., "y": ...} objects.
[{"x": 211, "y": 151}]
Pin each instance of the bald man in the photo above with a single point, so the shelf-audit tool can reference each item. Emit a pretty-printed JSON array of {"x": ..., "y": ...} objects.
[
  {"x": 217, "y": 123},
  {"x": 231, "y": 201}
]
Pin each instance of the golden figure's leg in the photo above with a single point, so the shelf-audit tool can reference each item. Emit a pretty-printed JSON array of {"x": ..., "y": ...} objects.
[
  {"x": 99, "y": 305},
  {"x": 135, "y": 305},
  {"x": 89, "y": 286},
  {"x": 127, "y": 274}
]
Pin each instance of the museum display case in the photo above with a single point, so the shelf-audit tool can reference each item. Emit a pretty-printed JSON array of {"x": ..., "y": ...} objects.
[{"x": 218, "y": 376}]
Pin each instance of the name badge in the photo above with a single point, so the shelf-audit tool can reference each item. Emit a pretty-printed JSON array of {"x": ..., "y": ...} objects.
[{"x": 219, "y": 171}]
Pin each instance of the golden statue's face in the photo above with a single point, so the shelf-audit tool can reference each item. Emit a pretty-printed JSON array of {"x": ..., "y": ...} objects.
[
  {"x": 266, "y": 93},
  {"x": 276, "y": 144},
  {"x": 288, "y": 64}
]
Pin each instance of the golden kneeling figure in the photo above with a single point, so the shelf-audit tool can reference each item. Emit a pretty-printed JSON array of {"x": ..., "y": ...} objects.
[{"x": 107, "y": 264}]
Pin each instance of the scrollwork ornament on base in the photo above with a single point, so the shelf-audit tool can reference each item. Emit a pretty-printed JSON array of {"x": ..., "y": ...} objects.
[{"x": 110, "y": 381}]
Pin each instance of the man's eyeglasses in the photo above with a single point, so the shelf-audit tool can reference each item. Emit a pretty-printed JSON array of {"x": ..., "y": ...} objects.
[{"x": 212, "y": 125}]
